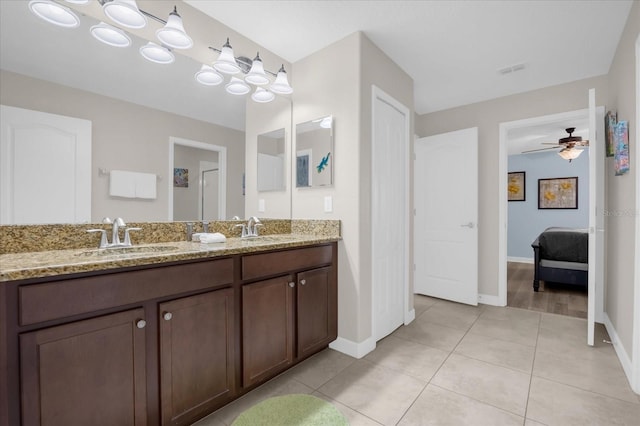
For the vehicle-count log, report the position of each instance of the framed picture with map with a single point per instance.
(558, 193)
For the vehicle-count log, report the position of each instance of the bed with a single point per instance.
(561, 255)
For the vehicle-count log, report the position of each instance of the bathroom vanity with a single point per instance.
(148, 337)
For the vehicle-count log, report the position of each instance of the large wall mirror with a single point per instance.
(271, 161)
(135, 107)
(314, 153)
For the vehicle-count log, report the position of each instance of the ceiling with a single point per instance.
(451, 49)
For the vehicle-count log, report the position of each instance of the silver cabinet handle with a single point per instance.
(141, 323)
(303, 282)
(292, 284)
(468, 225)
(167, 316)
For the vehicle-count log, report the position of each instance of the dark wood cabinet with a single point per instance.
(267, 328)
(316, 310)
(89, 372)
(197, 355)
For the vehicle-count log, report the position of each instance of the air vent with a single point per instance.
(510, 69)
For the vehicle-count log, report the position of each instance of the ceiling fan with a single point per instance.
(567, 143)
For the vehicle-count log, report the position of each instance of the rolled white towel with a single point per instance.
(212, 238)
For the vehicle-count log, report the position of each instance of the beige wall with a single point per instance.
(185, 200)
(487, 116)
(130, 137)
(621, 190)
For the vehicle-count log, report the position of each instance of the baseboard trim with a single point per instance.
(409, 317)
(487, 299)
(627, 366)
(520, 259)
(353, 349)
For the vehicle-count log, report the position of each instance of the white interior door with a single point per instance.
(45, 168)
(389, 213)
(446, 216)
(596, 220)
(208, 200)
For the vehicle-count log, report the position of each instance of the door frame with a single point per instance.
(222, 179)
(503, 161)
(635, 375)
(409, 312)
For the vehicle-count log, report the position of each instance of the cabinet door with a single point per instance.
(317, 304)
(267, 328)
(90, 372)
(197, 365)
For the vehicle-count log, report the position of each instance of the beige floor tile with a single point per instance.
(422, 303)
(498, 386)
(281, 385)
(524, 332)
(598, 372)
(413, 359)
(554, 403)
(320, 368)
(529, 422)
(379, 393)
(353, 417)
(450, 314)
(497, 351)
(510, 314)
(440, 407)
(434, 335)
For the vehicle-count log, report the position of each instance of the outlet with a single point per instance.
(261, 205)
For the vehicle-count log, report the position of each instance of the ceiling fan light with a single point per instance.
(281, 85)
(257, 75)
(54, 13)
(262, 96)
(208, 76)
(570, 153)
(156, 53)
(77, 1)
(226, 62)
(125, 13)
(110, 35)
(173, 33)
(237, 87)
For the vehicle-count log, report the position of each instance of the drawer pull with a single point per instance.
(141, 323)
(292, 284)
(303, 282)
(167, 316)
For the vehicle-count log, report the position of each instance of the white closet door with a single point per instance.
(45, 164)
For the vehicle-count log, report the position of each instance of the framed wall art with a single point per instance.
(558, 193)
(516, 186)
(180, 178)
(621, 148)
(610, 121)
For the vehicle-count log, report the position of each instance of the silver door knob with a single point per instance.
(292, 284)
(303, 282)
(468, 225)
(167, 316)
(141, 323)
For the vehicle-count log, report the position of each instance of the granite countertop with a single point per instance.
(18, 266)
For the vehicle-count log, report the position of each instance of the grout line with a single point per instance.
(533, 363)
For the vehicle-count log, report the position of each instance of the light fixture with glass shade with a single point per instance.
(570, 153)
(281, 85)
(209, 76)
(256, 74)
(54, 13)
(226, 62)
(326, 122)
(110, 35)
(77, 1)
(173, 33)
(156, 53)
(262, 95)
(237, 86)
(125, 13)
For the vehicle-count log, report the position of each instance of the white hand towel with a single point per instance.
(122, 184)
(212, 238)
(145, 185)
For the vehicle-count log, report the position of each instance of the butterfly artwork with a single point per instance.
(323, 163)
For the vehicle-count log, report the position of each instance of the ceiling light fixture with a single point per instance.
(110, 35)
(226, 62)
(77, 1)
(208, 76)
(125, 13)
(257, 75)
(570, 153)
(157, 54)
(54, 13)
(262, 95)
(281, 85)
(237, 86)
(173, 33)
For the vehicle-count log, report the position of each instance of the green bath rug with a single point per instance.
(292, 410)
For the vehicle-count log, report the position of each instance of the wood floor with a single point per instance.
(552, 298)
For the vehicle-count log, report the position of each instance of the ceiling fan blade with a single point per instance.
(540, 149)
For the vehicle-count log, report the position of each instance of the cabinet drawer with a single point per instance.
(267, 264)
(48, 301)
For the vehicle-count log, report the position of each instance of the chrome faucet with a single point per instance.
(115, 231)
(115, 234)
(252, 226)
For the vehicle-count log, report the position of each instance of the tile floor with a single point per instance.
(465, 365)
